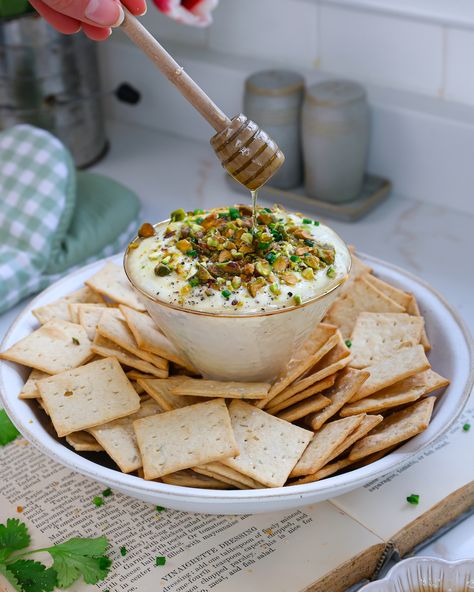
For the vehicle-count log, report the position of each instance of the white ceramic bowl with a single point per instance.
(426, 574)
(451, 356)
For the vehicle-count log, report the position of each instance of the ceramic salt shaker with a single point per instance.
(335, 133)
(273, 99)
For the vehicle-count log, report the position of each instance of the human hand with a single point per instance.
(95, 17)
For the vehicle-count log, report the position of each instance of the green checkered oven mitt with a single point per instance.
(53, 219)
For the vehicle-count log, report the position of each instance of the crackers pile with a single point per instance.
(111, 382)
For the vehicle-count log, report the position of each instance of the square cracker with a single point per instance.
(320, 386)
(112, 282)
(322, 340)
(358, 269)
(83, 442)
(324, 442)
(269, 447)
(401, 297)
(347, 383)
(30, 388)
(105, 348)
(232, 483)
(382, 400)
(189, 478)
(399, 365)
(118, 437)
(303, 408)
(89, 317)
(395, 428)
(413, 309)
(151, 339)
(88, 396)
(377, 335)
(55, 347)
(75, 307)
(160, 391)
(185, 438)
(428, 380)
(196, 387)
(367, 424)
(363, 297)
(59, 308)
(336, 359)
(117, 331)
(221, 471)
(326, 471)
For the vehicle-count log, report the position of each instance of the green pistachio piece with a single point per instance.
(274, 289)
(263, 268)
(308, 273)
(312, 261)
(236, 282)
(162, 270)
(203, 274)
(178, 215)
(247, 238)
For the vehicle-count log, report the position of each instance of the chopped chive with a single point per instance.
(123, 551)
(193, 282)
(308, 242)
(191, 253)
(414, 499)
(271, 258)
(160, 509)
(196, 212)
(222, 215)
(234, 213)
(76, 341)
(160, 560)
(331, 272)
(98, 501)
(263, 246)
(226, 294)
(307, 221)
(297, 299)
(316, 223)
(107, 492)
(295, 258)
(199, 220)
(267, 210)
(348, 343)
(466, 427)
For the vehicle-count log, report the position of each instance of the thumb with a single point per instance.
(102, 13)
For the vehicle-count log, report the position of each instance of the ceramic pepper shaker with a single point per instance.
(335, 134)
(273, 99)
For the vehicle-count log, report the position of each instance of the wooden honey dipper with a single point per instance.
(245, 151)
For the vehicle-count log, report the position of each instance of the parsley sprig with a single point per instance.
(72, 559)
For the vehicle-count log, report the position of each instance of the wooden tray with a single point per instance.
(374, 191)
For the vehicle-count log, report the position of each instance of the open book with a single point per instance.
(328, 546)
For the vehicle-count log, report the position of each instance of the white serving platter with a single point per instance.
(451, 355)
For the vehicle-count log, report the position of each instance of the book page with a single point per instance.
(284, 552)
(436, 472)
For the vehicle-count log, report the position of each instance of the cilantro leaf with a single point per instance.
(33, 576)
(13, 536)
(8, 431)
(8, 575)
(80, 557)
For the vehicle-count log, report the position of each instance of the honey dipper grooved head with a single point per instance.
(247, 152)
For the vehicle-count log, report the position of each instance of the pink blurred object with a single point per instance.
(188, 12)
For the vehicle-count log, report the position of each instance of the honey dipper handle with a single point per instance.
(174, 72)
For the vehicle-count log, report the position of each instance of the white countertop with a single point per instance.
(433, 242)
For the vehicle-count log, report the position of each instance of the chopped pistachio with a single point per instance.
(212, 242)
(308, 273)
(247, 238)
(297, 299)
(289, 278)
(263, 268)
(281, 263)
(178, 215)
(331, 272)
(162, 270)
(184, 245)
(274, 289)
(146, 230)
(255, 286)
(236, 282)
(312, 261)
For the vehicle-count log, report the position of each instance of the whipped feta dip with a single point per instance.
(222, 261)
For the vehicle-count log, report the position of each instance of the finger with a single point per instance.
(101, 13)
(96, 33)
(63, 24)
(136, 7)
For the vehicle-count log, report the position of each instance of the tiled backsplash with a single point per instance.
(418, 73)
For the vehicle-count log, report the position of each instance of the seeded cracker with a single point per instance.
(59, 308)
(89, 318)
(75, 307)
(269, 447)
(347, 383)
(54, 347)
(30, 389)
(324, 442)
(184, 438)
(320, 386)
(88, 396)
(367, 424)
(214, 388)
(377, 335)
(358, 268)
(112, 282)
(151, 339)
(305, 407)
(382, 400)
(428, 380)
(363, 297)
(188, 478)
(104, 347)
(323, 339)
(400, 365)
(118, 437)
(395, 428)
(399, 296)
(413, 309)
(160, 390)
